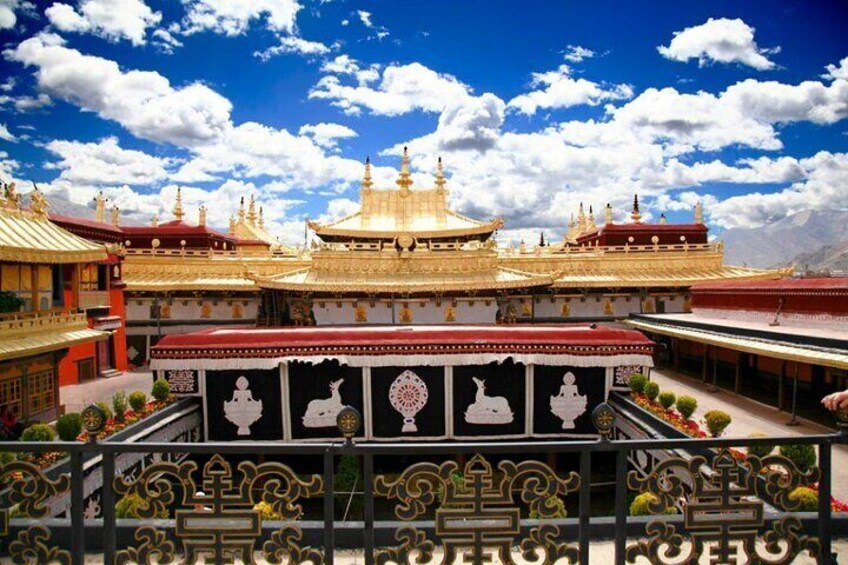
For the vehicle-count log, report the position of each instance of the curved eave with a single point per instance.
(426, 284)
(664, 280)
(483, 229)
(28, 238)
(171, 284)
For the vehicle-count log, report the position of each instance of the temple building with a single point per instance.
(42, 277)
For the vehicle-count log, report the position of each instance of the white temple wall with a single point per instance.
(139, 309)
(426, 311)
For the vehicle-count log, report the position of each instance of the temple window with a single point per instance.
(10, 395)
(41, 391)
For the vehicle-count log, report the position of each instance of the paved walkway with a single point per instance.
(751, 417)
(77, 397)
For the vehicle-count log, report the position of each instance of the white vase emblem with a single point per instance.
(243, 410)
(408, 395)
(322, 412)
(488, 409)
(569, 404)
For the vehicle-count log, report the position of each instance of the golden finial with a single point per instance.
(178, 206)
(440, 177)
(261, 218)
(201, 216)
(232, 225)
(251, 211)
(38, 203)
(699, 212)
(581, 219)
(155, 221)
(100, 207)
(663, 219)
(572, 229)
(13, 199)
(405, 179)
(590, 222)
(635, 215)
(367, 183)
(608, 214)
(116, 216)
(241, 211)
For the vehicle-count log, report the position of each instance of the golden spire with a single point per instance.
(261, 218)
(608, 214)
(440, 177)
(699, 212)
(405, 179)
(663, 219)
(241, 211)
(38, 203)
(251, 211)
(635, 215)
(100, 207)
(590, 222)
(178, 206)
(367, 183)
(13, 199)
(155, 221)
(116, 216)
(232, 225)
(581, 220)
(572, 229)
(201, 216)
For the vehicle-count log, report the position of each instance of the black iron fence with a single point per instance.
(278, 502)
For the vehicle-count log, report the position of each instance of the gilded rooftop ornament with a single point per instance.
(635, 215)
(38, 202)
(405, 179)
(178, 206)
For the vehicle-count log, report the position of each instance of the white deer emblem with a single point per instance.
(488, 409)
(322, 412)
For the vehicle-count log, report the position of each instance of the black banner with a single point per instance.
(488, 400)
(408, 402)
(182, 381)
(244, 405)
(317, 393)
(564, 397)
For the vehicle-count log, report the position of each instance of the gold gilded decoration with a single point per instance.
(38, 202)
(206, 310)
(31, 547)
(237, 311)
(526, 308)
(93, 419)
(565, 309)
(165, 310)
(609, 308)
(32, 333)
(478, 514)
(724, 510)
(220, 521)
(450, 314)
(152, 546)
(360, 314)
(648, 306)
(406, 314)
(687, 304)
(302, 314)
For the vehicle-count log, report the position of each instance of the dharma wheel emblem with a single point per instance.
(349, 421)
(408, 395)
(603, 416)
(93, 420)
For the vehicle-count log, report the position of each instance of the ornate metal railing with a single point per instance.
(478, 500)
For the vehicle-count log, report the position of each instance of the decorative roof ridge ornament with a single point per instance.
(590, 221)
(241, 211)
(201, 215)
(440, 178)
(155, 221)
(635, 215)
(13, 199)
(116, 216)
(232, 225)
(699, 212)
(251, 211)
(262, 217)
(178, 206)
(608, 214)
(38, 202)
(663, 219)
(404, 181)
(581, 220)
(367, 183)
(100, 207)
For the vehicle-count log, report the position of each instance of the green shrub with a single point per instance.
(652, 390)
(667, 399)
(38, 432)
(760, 450)
(716, 421)
(637, 382)
(7, 457)
(132, 505)
(161, 390)
(69, 426)
(808, 500)
(555, 503)
(804, 456)
(138, 400)
(105, 407)
(266, 511)
(10, 302)
(119, 404)
(641, 505)
(686, 405)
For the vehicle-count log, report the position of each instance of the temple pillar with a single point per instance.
(705, 365)
(781, 387)
(740, 358)
(675, 350)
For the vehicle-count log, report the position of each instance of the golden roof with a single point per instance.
(775, 348)
(27, 334)
(419, 213)
(30, 237)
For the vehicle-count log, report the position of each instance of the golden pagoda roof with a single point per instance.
(311, 280)
(663, 278)
(30, 237)
(26, 334)
(419, 213)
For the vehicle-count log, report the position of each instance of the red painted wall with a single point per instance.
(68, 371)
(118, 308)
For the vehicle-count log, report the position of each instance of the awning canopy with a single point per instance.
(778, 346)
(32, 335)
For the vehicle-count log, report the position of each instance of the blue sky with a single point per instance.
(534, 106)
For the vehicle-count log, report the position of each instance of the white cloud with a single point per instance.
(144, 102)
(561, 90)
(6, 135)
(402, 89)
(576, 53)
(837, 72)
(234, 17)
(105, 162)
(111, 19)
(8, 84)
(365, 18)
(327, 135)
(345, 65)
(378, 32)
(8, 17)
(292, 44)
(165, 41)
(719, 40)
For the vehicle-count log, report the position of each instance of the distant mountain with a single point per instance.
(833, 258)
(782, 242)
